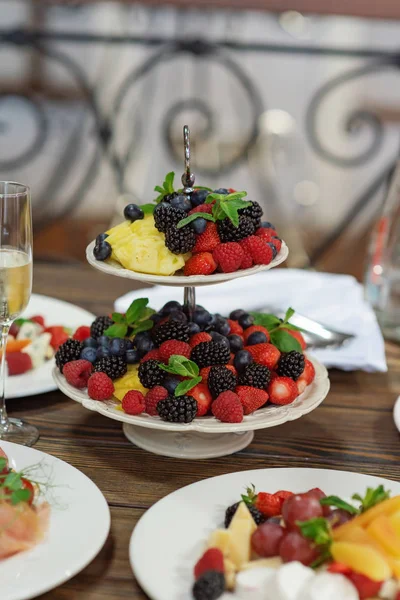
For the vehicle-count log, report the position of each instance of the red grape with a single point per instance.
(300, 507)
(266, 539)
(338, 517)
(319, 494)
(295, 547)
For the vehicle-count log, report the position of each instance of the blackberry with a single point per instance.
(150, 373)
(171, 330)
(166, 216)
(291, 365)
(255, 513)
(229, 233)
(113, 366)
(255, 375)
(209, 586)
(253, 212)
(221, 379)
(180, 241)
(99, 325)
(177, 409)
(207, 354)
(69, 350)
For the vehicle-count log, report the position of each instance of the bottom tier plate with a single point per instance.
(205, 437)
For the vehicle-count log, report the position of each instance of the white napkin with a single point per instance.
(337, 301)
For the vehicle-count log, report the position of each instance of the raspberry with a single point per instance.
(205, 208)
(77, 372)
(200, 264)
(197, 338)
(264, 233)
(228, 256)
(251, 398)
(82, 333)
(236, 329)
(207, 241)
(282, 390)
(212, 560)
(171, 347)
(202, 395)
(247, 261)
(264, 354)
(133, 403)
(260, 252)
(153, 397)
(100, 386)
(18, 363)
(228, 408)
(252, 329)
(151, 354)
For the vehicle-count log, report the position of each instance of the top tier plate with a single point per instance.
(111, 267)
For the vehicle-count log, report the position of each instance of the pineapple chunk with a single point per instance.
(395, 522)
(230, 574)
(221, 539)
(382, 531)
(240, 546)
(387, 507)
(243, 513)
(363, 559)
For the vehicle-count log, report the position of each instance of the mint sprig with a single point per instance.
(277, 329)
(371, 498)
(319, 532)
(225, 206)
(338, 503)
(135, 318)
(194, 216)
(180, 365)
(166, 188)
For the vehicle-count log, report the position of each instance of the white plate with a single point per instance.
(55, 312)
(79, 526)
(396, 413)
(112, 267)
(170, 537)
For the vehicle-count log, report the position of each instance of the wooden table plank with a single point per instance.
(352, 430)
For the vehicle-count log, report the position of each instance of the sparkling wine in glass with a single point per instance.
(15, 289)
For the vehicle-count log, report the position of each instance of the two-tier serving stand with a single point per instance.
(205, 437)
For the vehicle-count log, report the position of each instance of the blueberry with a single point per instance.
(246, 320)
(103, 340)
(169, 307)
(274, 250)
(90, 343)
(193, 328)
(235, 342)
(199, 225)
(156, 318)
(103, 352)
(133, 212)
(211, 324)
(102, 251)
(181, 201)
(267, 225)
(144, 345)
(202, 317)
(221, 191)
(128, 344)
(132, 356)
(101, 237)
(89, 354)
(143, 335)
(258, 337)
(222, 326)
(178, 315)
(242, 359)
(118, 347)
(221, 339)
(170, 384)
(199, 197)
(236, 314)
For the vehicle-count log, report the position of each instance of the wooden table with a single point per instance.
(352, 430)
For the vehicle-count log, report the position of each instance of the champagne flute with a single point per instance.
(15, 289)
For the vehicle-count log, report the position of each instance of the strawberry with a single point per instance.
(247, 261)
(282, 390)
(133, 403)
(207, 241)
(235, 328)
(204, 372)
(200, 264)
(337, 567)
(197, 338)
(202, 395)
(309, 372)
(366, 587)
(58, 336)
(301, 385)
(18, 363)
(252, 329)
(153, 397)
(204, 208)
(297, 336)
(228, 408)
(82, 333)
(268, 504)
(265, 354)
(39, 320)
(228, 256)
(212, 560)
(100, 386)
(171, 347)
(251, 398)
(77, 372)
(151, 354)
(282, 495)
(260, 252)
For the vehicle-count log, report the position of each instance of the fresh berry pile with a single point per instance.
(166, 365)
(214, 230)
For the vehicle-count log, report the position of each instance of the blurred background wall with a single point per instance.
(300, 110)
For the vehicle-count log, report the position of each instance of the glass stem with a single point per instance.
(5, 328)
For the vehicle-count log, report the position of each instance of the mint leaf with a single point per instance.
(180, 365)
(338, 503)
(289, 314)
(317, 530)
(20, 496)
(292, 327)
(169, 183)
(135, 310)
(194, 216)
(230, 212)
(268, 321)
(159, 189)
(284, 341)
(214, 197)
(142, 326)
(148, 209)
(202, 187)
(117, 330)
(372, 497)
(13, 482)
(185, 386)
(237, 203)
(3, 463)
(118, 318)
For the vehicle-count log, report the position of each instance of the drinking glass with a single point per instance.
(15, 289)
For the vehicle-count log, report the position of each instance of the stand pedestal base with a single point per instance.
(192, 446)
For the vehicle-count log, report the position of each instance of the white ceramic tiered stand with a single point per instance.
(205, 437)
